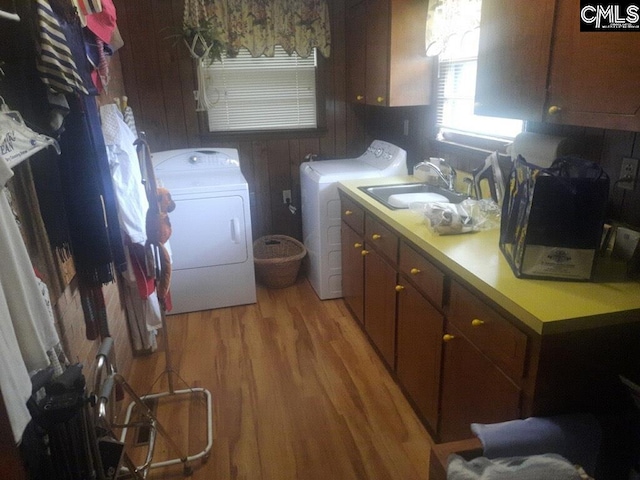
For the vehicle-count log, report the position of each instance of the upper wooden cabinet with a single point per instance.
(515, 41)
(535, 64)
(594, 75)
(385, 45)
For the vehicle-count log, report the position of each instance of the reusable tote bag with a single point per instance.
(552, 218)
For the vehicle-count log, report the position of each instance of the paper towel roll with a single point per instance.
(538, 148)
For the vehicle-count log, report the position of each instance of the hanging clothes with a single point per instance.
(56, 63)
(27, 332)
(102, 40)
(141, 303)
(17, 141)
(88, 195)
(86, 8)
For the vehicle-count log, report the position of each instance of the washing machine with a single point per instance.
(321, 208)
(211, 242)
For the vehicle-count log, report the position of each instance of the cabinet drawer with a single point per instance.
(428, 279)
(376, 234)
(489, 331)
(352, 214)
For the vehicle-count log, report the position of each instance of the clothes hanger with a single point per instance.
(17, 141)
(9, 16)
(6, 14)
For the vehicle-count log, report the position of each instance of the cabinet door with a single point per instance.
(473, 389)
(377, 64)
(513, 60)
(353, 272)
(419, 348)
(356, 50)
(380, 304)
(386, 62)
(594, 75)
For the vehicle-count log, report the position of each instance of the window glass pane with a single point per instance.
(265, 93)
(457, 64)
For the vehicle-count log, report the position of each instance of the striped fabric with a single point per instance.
(87, 7)
(130, 120)
(103, 65)
(55, 64)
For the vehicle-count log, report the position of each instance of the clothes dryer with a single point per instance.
(321, 208)
(211, 242)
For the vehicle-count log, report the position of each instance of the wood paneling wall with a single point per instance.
(608, 148)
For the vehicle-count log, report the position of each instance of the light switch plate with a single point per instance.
(625, 243)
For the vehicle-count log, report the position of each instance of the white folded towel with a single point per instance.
(535, 467)
(574, 436)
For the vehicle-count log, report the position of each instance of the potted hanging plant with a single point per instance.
(202, 40)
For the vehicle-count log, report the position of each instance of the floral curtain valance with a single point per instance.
(260, 25)
(448, 22)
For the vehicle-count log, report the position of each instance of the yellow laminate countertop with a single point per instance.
(545, 306)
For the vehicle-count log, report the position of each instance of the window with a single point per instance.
(265, 93)
(457, 50)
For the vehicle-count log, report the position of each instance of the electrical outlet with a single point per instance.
(286, 197)
(626, 243)
(628, 173)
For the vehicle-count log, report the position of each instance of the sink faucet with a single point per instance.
(449, 180)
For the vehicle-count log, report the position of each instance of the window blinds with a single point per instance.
(264, 93)
(455, 103)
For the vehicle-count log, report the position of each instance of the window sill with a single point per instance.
(467, 152)
(472, 142)
(251, 135)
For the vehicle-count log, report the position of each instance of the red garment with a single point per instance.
(103, 24)
(138, 257)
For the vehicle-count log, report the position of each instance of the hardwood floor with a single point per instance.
(298, 393)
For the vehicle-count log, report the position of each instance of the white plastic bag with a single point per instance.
(455, 218)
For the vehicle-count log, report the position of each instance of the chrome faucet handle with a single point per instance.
(448, 180)
(452, 177)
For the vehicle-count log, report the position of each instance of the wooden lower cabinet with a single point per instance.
(353, 271)
(419, 349)
(461, 358)
(473, 389)
(398, 295)
(380, 304)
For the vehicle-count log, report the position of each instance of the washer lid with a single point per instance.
(329, 171)
(336, 167)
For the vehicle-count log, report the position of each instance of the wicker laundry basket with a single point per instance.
(277, 259)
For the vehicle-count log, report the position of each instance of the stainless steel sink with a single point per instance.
(390, 195)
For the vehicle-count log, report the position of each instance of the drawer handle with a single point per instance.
(376, 236)
(414, 271)
(380, 99)
(447, 337)
(348, 212)
(364, 252)
(476, 322)
(399, 288)
(357, 245)
(359, 97)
